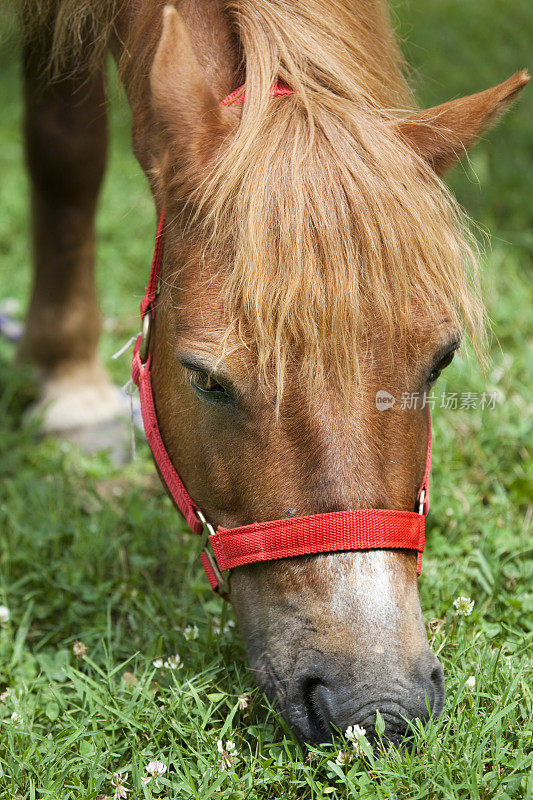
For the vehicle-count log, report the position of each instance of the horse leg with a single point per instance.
(66, 143)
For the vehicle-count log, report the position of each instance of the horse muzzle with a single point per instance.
(333, 638)
(326, 698)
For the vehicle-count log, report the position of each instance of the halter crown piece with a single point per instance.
(226, 548)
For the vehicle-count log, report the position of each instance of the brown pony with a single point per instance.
(312, 258)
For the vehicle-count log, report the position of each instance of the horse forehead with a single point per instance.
(197, 297)
(198, 303)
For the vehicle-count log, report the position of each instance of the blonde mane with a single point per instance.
(334, 224)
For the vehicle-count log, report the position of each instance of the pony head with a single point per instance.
(314, 263)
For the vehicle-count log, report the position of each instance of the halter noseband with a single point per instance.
(226, 548)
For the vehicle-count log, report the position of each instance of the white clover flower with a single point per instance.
(79, 649)
(174, 662)
(343, 757)
(16, 718)
(243, 701)
(119, 782)
(5, 614)
(312, 756)
(228, 754)
(470, 683)
(191, 632)
(156, 770)
(463, 606)
(215, 624)
(356, 735)
(354, 732)
(158, 663)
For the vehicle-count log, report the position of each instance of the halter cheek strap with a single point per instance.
(227, 548)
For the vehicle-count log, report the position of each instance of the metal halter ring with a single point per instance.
(421, 501)
(145, 335)
(222, 578)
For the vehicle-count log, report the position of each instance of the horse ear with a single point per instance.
(441, 135)
(183, 102)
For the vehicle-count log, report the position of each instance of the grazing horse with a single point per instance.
(313, 259)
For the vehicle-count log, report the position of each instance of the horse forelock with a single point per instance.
(334, 226)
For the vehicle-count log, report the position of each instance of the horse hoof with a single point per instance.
(85, 408)
(114, 437)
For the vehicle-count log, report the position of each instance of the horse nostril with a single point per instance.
(431, 690)
(318, 722)
(437, 681)
(437, 674)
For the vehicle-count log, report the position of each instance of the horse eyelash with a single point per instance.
(193, 375)
(190, 374)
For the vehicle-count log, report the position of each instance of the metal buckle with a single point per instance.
(421, 501)
(222, 578)
(145, 335)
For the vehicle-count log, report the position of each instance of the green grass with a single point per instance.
(95, 553)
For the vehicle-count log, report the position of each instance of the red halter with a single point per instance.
(226, 548)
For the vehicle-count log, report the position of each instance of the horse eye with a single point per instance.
(442, 364)
(204, 383)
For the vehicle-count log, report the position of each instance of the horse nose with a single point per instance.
(330, 699)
